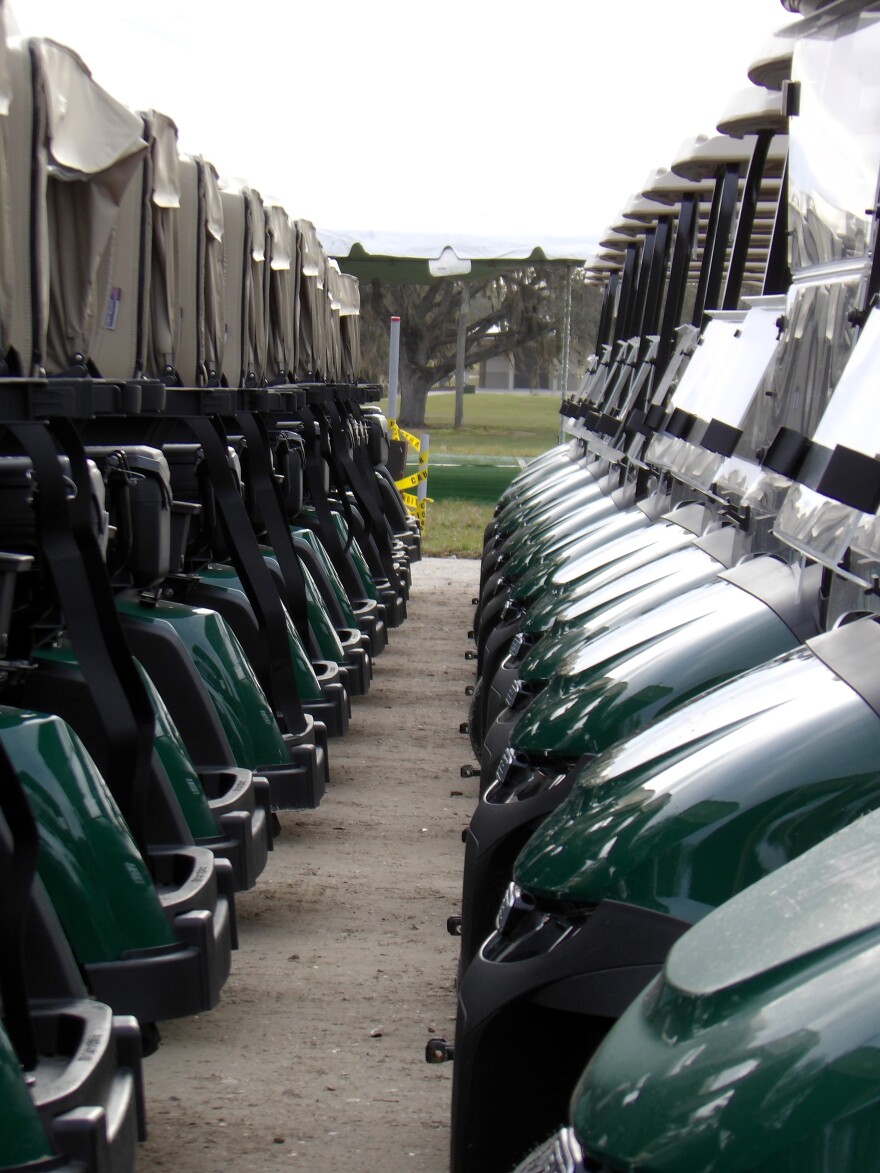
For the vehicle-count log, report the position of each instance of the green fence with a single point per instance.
(469, 478)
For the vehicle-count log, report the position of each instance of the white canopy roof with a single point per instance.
(450, 254)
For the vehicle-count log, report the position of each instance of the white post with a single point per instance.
(460, 354)
(393, 363)
(424, 444)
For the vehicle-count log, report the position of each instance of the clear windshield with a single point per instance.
(687, 337)
(835, 142)
(636, 389)
(720, 383)
(813, 523)
(815, 345)
(851, 417)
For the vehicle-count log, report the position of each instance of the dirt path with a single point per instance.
(314, 1058)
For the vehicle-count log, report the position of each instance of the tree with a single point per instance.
(519, 309)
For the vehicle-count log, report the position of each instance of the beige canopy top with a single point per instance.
(311, 253)
(5, 76)
(310, 301)
(349, 326)
(202, 275)
(705, 155)
(282, 294)
(89, 132)
(332, 359)
(166, 160)
(772, 65)
(76, 151)
(246, 291)
(428, 256)
(138, 333)
(94, 148)
(752, 111)
(163, 331)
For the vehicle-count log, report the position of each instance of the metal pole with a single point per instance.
(566, 332)
(393, 364)
(460, 354)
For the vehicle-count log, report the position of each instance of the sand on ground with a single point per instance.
(314, 1058)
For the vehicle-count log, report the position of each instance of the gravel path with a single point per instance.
(314, 1058)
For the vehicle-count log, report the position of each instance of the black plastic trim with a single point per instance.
(853, 478)
(720, 437)
(680, 424)
(786, 452)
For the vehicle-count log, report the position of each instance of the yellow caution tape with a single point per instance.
(410, 482)
(397, 433)
(416, 507)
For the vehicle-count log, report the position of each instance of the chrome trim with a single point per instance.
(560, 1154)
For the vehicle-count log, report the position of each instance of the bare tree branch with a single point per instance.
(518, 313)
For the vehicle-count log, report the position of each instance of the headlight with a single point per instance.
(520, 646)
(517, 778)
(512, 612)
(522, 693)
(560, 1154)
(526, 927)
(513, 902)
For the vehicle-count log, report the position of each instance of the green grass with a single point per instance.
(455, 527)
(463, 495)
(495, 424)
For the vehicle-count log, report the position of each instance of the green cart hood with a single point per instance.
(759, 1046)
(94, 874)
(311, 539)
(538, 484)
(227, 675)
(596, 570)
(543, 472)
(23, 1140)
(226, 579)
(355, 552)
(616, 684)
(169, 748)
(320, 624)
(705, 802)
(178, 766)
(555, 502)
(664, 533)
(358, 558)
(555, 528)
(716, 551)
(619, 601)
(533, 566)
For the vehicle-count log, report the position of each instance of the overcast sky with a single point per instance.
(479, 116)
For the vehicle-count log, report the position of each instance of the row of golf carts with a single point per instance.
(670, 926)
(201, 553)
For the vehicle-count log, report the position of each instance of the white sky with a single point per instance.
(478, 116)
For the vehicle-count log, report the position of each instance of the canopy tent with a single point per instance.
(425, 257)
